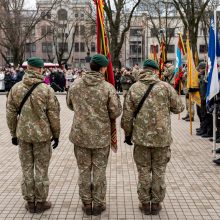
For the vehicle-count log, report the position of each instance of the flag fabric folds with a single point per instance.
(179, 52)
(213, 50)
(103, 48)
(192, 76)
(162, 54)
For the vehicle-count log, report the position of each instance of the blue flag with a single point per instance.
(178, 60)
(213, 50)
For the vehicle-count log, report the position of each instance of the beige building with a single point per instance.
(66, 35)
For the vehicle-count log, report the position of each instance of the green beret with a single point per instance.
(36, 62)
(150, 63)
(100, 59)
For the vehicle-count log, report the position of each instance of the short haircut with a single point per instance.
(95, 67)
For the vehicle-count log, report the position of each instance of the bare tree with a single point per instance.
(162, 18)
(119, 22)
(16, 26)
(191, 13)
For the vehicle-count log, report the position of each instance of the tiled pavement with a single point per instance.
(193, 181)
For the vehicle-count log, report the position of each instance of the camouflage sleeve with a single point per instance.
(114, 104)
(53, 114)
(127, 116)
(176, 104)
(68, 99)
(11, 114)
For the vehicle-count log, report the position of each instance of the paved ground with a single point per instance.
(193, 189)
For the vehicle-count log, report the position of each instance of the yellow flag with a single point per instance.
(192, 75)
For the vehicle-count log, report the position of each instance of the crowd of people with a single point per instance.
(59, 79)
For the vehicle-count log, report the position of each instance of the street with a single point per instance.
(193, 180)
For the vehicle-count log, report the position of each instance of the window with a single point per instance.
(93, 29)
(170, 32)
(82, 29)
(136, 32)
(63, 47)
(170, 48)
(76, 47)
(135, 47)
(93, 47)
(82, 47)
(30, 47)
(154, 32)
(46, 30)
(47, 47)
(62, 15)
(82, 16)
(202, 49)
(76, 15)
(154, 48)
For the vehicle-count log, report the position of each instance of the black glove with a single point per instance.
(56, 142)
(128, 140)
(193, 89)
(14, 141)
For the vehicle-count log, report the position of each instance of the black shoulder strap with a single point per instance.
(143, 99)
(27, 95)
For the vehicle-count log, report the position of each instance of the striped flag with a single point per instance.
(103, 48)
(179, 52)
(213, 50)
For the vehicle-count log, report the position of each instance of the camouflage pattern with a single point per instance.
(92, 165)
(135, 73)
(127, 81)
(35, 157)
(152, 127)
(94, 102)
(168, 74)
(39, 119)
(151, 165)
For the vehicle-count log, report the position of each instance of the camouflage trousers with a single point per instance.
(151, 165)
(35, 158)
(92, 165)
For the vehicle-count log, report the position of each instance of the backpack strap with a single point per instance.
(143, 99)
(27, 95)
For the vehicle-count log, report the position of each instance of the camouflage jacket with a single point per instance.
(94, 102)
(40, 116)
(152, 126)
(135, 73)
(168, 75)
(127, 81)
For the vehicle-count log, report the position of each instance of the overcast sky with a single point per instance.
(30, 4)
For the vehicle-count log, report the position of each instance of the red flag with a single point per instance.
(103, 48)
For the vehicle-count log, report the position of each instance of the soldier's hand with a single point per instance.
(56, 142)
(128, 140)
(14, 141)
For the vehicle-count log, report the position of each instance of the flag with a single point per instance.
(103, 48)
(179, 52)
(162, 54)
(192, 76)
(213, 50)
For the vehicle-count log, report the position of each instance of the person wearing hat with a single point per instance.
(206, 126)
(32, 126)
(149, 127)
(95, 103)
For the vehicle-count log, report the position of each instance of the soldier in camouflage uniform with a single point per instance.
(168, 73)
(33, 129)
(151, 134)
(95, 103)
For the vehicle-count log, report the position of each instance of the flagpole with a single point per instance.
(214, 111)
(179, 95)
(190, 111)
